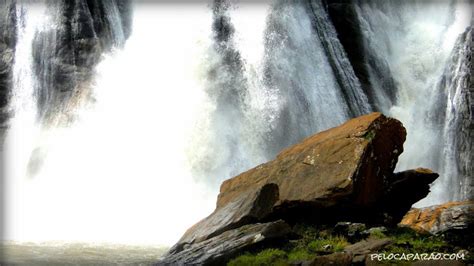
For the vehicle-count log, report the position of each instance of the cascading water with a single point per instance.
(416, 39)
(121, 162)
(122, 132)
(457, 153)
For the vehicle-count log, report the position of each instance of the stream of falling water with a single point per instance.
(119, 173)
(417, 39)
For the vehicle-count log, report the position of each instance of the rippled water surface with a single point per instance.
(53, 253)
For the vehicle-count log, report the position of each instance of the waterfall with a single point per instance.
(110, 174)
(415, 41)
(305, 66)
(458, 150)
(126, 117)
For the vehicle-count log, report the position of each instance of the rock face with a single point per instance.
(344, 173)
(443, 218)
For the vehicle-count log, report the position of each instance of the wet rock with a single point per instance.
(220, 248)
(451, 216)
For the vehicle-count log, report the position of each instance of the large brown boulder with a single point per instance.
(344, 173)
(349, 161)
(451, 216)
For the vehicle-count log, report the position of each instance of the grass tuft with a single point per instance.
(265, 257)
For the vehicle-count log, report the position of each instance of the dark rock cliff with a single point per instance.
(372, 70)
(465, 122)
(456, 96)
(65, 56)
(7, 50)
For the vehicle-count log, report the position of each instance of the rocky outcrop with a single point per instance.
(223, 246)
(451, 216)
(346, 165)
(344, 173)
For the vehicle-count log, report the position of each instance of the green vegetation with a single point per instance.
(330, 244)
(369, 135)
(266, 257)
(408, 241)
(377, 233)
(314, 241)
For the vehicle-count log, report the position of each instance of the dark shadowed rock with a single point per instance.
(227, 244)
(451, 216)
(405, 189)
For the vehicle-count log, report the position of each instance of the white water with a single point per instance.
(428, 46)
(119, 174)
(143, 162)
(416, 39)
(302, 74)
